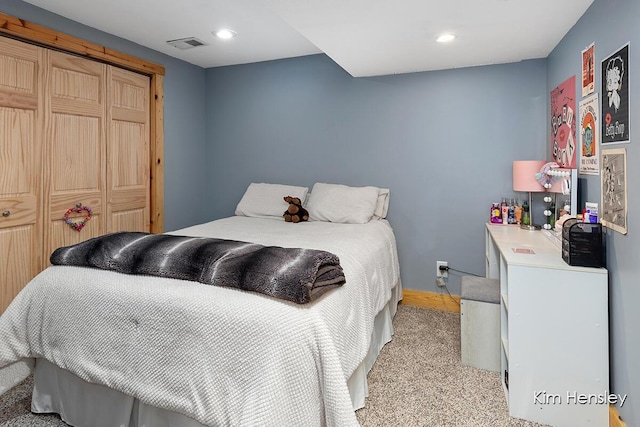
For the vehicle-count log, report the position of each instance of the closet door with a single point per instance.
(20, 155)
(75, 149)
(128, 152)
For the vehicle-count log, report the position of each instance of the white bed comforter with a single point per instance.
(222, 356)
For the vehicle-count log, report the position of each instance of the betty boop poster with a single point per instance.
(615, 97)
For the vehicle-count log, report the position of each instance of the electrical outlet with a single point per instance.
(442, 273)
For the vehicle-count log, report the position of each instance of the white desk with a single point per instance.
(554, 330)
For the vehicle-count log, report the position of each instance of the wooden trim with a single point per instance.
(157, 153)
(34, 33)
(431, 300)
(614, 418)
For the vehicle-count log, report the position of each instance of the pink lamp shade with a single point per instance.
(524, 175)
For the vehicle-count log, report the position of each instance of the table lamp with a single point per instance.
(524, 180)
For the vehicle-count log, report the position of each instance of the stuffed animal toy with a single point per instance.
(295, 212)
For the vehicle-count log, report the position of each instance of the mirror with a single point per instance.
(566, 195)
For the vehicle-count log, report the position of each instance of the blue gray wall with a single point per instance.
(443, 142)
(184, 114)
(611, 24)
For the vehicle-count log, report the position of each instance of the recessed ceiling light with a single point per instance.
(444, 38)
(225, 34)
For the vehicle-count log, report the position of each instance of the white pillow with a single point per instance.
(340, 203)
(382, 205)
(267, 200)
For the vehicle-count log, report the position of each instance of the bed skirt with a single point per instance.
(59, 391)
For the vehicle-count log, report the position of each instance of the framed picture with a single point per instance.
(563, 123)
(588, 70)
(590, 135)
(616, 78)
(614, 189)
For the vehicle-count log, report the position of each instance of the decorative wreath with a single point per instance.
(79, 225)
(547, 176)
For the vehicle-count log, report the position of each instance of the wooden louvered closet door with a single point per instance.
(20, 155)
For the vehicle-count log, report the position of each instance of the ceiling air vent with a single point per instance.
(187, 43)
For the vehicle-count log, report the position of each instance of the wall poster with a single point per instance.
(614, 189)
(589, 135)
(588, 70)
(563, 123)
(615, 97)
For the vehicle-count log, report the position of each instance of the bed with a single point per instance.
(132, 350)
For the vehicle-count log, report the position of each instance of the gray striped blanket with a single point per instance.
(291, 274)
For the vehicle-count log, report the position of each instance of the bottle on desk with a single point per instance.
(504, 208)
(518, 213)
(512, 212)
(526, 218)
(496, 214)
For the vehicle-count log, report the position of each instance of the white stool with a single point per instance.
(480, 323)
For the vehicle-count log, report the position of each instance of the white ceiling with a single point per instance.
(365, 37)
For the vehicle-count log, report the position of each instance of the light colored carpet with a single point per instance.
(418, 380)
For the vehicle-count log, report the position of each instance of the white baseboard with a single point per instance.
(13, 374)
